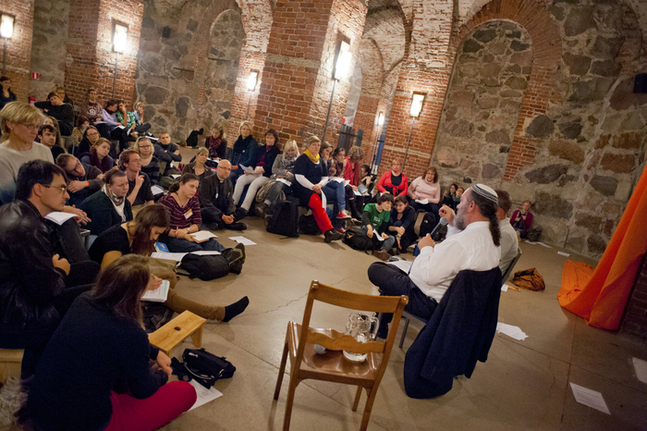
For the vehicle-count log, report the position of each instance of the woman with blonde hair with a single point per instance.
(283, 170)
(99, 156)
(240, 151)
(150, 162)
(198, 167)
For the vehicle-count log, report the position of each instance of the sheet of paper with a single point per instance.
(203, 235)
(378, 236)
(169, 256)
(346, 182)
(504, 288)
(157, 190)
(543, 245)
(204, 395)
(174, 176)
(357, 193)
(206, 252)
(242, 240)
(589, 398)
(511, 331)
(641, 369)
(362, 189)
(404, 265)
(530, 242)
(247, 169)
(59, 217)
(284, 181)
(338, 179)
(422, 201)
(213, 160)
(561, 253)
(158, 295)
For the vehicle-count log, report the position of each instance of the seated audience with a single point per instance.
(109, 206)
(139, 236)
(92, 109)
(125, 117)
(47, 137)
(167, 153)
(401, 224)
(451, 200)
(394, 181)
(112, 129)
(138, 114)
(36, 285)
(150, 162)
(63, 112)
(261, 159)
(99, 348)
(139, 185)
(475, 248)
(283, 170)
(335, 189)
(186, 218)
(199, 167)
(51, 121)
(215, 143)
(426, 188)
(6, 95)
(243, 143)
(83, 179)
(90, 137)
(521, 220)
(352, 175)
(62, 94)
(216, 196)
(509, 239)
(375, 221)
(311, 176)
(82, 124)
(20, 123)
(99, 156)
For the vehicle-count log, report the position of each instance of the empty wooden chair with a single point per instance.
(332, 366)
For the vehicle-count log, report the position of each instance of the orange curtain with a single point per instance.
(599, 295)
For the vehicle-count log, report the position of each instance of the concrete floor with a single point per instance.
(523, 385)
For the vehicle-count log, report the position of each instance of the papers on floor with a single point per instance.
(169, 256)
(589, 398)
(203, 235)
(59, 217)
(404, 265)
(543, 245)
(504, 288)
(158, 295)
(511, 331)
(422, 201)
(641, 369)
(204, 395)
(284, 181)
(157, 190)
(242, 240)
(561, 253)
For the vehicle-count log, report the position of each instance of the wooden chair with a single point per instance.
(332, 366)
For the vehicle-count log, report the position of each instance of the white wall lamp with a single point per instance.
(6, 31)
(119, 45)
(252, 80)
(380, 123)
(417, 103)
(342, 66)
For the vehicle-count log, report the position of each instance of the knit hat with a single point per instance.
(486, 192)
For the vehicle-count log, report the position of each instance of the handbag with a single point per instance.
(202, 366)
(529, 279)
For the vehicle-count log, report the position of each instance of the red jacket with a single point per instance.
(351, 172)
(385, 181)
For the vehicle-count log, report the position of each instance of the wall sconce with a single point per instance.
(6, 31)
(252, 79)
(342, 66)
(380, 119)
(119, 45)
(380, 123)
(416, 108)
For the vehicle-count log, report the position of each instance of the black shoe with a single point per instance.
(332, 235)
(237, 226)
(235, 309)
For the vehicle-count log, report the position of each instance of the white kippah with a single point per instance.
(486, 191)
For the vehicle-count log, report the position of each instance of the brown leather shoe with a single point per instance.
(381, 254)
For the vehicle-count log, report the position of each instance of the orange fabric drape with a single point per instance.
(600, 295)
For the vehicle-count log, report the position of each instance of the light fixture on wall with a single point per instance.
(119, 44)
(380, 123)
(6, 31)
(417, 102)
(342, 66)
(251, 86)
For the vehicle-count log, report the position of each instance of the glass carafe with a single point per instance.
(362, 327)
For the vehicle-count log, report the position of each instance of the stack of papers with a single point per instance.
(158, 295)
(511, 331)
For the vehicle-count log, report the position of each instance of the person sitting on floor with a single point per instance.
(92, 109)
(475, 248)
(216, 144)
(83, 179)
(199, 167)
(99, 156)
(311, 176)
(403, 219)
(426, 188)
(150, 162)
(335, 189)
(167, 153)
(63, 112)
(450, 198)
(110, 128)
(90, 137)
(216, 196)
(394, 181)
(283, 175)
(509, 239)
(36, 285)
(243, 143)
(47, 137)
(139, 236)
(109, 206)
(6, 95)
(139, 185)
(375, 221)
(100, 350)
(521, 220)
(82, 123)
(352, 172)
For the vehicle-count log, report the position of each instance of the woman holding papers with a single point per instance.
(139, 236)
(95, 373)
(184, 210)
(335, 189)
(424, 192)
(283, 174)
(352, 175)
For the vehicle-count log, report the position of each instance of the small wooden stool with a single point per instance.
(174, 332)
(10, 362)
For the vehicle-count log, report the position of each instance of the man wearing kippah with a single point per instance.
(472, 244)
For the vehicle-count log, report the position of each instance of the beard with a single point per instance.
(459, 222)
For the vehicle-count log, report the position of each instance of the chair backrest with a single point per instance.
(334, 340)
(508, 270)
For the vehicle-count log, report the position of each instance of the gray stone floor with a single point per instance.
(523, 385)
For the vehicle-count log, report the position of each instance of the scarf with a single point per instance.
(214, 143)
(313, 158)
(103, 164)
(117, 201)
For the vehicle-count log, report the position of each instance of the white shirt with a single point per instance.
(10, 162)
(509, 244)
(435, 267)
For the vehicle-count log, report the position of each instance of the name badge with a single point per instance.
(188, 214)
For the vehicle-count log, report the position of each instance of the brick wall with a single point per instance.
(635, 317)
(18, 57)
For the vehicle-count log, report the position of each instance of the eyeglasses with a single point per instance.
(62, 189)
(76, 166)
(92, 133)
(32, 127)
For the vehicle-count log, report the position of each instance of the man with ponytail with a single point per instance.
(472, 244)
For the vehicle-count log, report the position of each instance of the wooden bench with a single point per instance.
(10, 362)
(177, 330)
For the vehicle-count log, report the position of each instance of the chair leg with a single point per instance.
(288, 403)
(369, 407)
(358, 395)
(405, 327)
(281, 371)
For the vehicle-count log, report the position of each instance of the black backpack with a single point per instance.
(202, 366)
(285, 220)
(357, 239)
(308, 225)
(205, 268)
